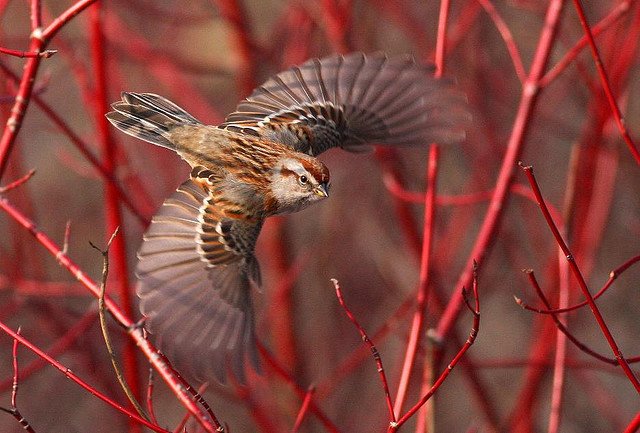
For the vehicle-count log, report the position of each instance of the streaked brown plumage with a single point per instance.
(197, 264)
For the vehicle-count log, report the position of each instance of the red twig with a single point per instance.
(13, 410)
(581, 282)
(509, 42)
(604, 79)
(58, 23)
(83, 147)
(634, 425)
(36, 14)
(359, 355)
(256, 409)
(60, 346)
(394, 426)
(613, 275)
(618, 11)
(183, 422)
(22, 54)
(68, 373)
(175, 383)
(301, 392)
(38, 42)
(303, 409)
(149, 398)
(18, 182)
(559, 364)
(16, 374)
(388, 161)
(534, 283)
(441, 39)
(372, 347)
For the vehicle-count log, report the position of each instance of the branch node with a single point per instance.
(37, 33)
(435, 338)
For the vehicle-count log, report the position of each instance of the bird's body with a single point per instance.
(197, 264)
(237, 164)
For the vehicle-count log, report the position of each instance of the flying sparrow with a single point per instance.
(196, 263)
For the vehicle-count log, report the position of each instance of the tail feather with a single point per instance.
(149, 117)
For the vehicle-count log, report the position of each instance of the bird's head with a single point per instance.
(298, 181)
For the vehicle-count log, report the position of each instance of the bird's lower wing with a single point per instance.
(194, 270)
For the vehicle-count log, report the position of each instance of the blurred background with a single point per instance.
(206, 56)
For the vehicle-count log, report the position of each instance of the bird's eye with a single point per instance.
(303, 180)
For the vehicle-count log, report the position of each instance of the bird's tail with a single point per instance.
(149, 117)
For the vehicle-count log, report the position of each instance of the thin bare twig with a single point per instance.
(105, 330)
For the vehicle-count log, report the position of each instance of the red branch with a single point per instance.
(604, 79)
(417, 325)
(571, 55)
(60, 346)
(372, 347)
(39, 40)
(613, 275)
(22, 54)
(303, 409)
(175, 383)
(491, 222)
(301, 392)
(583, 347)
(67, 372)
(506, 35)
(112, 205)
(14, 411)
(634, 425)
(581, 282)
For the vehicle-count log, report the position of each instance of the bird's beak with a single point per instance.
(322, 190)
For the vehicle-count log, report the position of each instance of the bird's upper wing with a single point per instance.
(195, 268)
(348, 101)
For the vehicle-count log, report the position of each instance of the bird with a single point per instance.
(196, 265)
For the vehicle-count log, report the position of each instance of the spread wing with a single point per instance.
(348, 101)
(195, 268)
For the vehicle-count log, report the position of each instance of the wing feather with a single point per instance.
(195, 270)
(348, 101)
